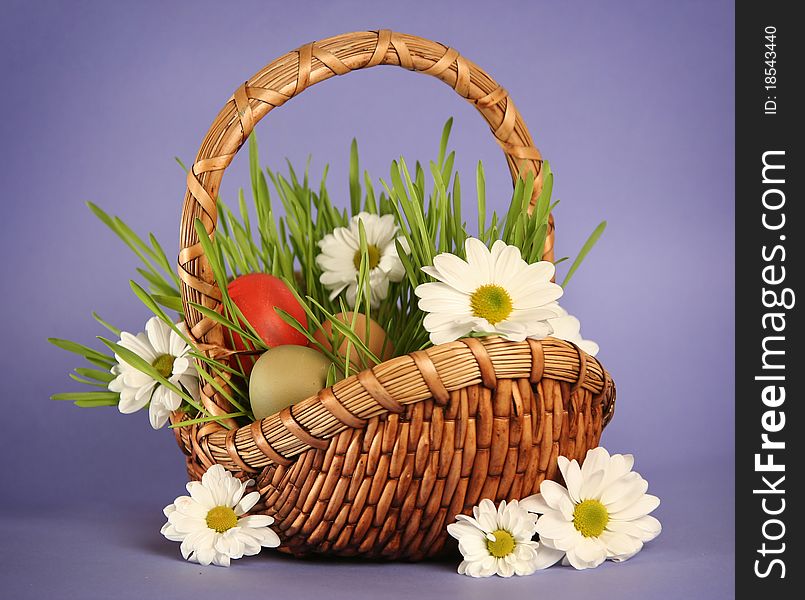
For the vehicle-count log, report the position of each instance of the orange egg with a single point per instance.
(375, 338)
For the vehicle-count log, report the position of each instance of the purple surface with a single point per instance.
(98, 553)
(630, 101)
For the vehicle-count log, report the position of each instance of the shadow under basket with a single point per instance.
(378, 464)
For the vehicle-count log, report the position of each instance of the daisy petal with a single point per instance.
(554, 526)
(339, 250)
(484, 554)
(620, 544)
(256, 521)
(547, 556)
(649, 526)
(248, 501)
(572, 475)
(554, 494)
(640, 508)
(623, 492)
(597, 459)
(535, 504)
(565, 543)
(590, 551)
(480, 258)
(449, 334)
(591, 486)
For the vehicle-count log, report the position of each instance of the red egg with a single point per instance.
(256, 295)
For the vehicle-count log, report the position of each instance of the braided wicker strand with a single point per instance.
(387, 488)
(377, 464)
(455, 365)
(288, 76)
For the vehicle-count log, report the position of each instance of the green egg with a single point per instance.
(285, 375)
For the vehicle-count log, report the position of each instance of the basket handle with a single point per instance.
(288, 76)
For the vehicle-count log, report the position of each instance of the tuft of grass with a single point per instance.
(426, 204)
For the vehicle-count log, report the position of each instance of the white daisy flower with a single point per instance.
(602, 514)
(167, 352)
(210, 522)
(494, 292)
(340, 257)
(567, 327)
(497, 541)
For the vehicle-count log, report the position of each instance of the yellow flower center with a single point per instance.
(374, 257)
(503, 545)
(590, 518)
(164, 365)
(221, 518)
(491, 302)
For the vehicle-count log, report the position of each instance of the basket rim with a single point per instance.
(387, 388)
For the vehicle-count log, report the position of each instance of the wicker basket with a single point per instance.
(378, 464)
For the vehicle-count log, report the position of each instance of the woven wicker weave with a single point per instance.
(378, 464)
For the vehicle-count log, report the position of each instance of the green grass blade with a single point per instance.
(95, 403)
(85, 381)
(448, 126)
(210, 419)
(480, 187)
(585, 249)
(111, 328)
(170, 302)
(96, 374)
(73, 396)
(82, 350)
(354, 178)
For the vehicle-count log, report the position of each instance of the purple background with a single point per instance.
(632, 102)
